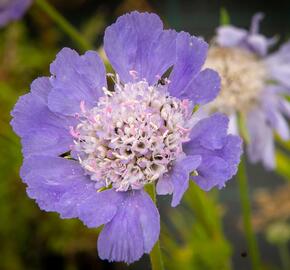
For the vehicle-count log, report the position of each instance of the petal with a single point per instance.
(261, 146)
(60, 185)
(39, 127)
(220, 152)
(180, 176)
(230, 36)
(13, 10)
(278, 65)
(219, 166)
(258, 44)
(211, 172)
(203, 88)
(132, 232)
(190, 56)
(284, 106)
(256, 20)
(233, 125)
(210, 132)
(271, 106)
(51, 141)
(76, 79)
(137, 43)
(164, 186)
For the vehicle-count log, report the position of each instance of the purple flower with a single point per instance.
(11, 10)
(89, 150)
(253, 85)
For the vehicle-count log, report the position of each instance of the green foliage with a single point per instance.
(201, 243)
(224, 17)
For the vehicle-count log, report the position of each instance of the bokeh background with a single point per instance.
(205, 231)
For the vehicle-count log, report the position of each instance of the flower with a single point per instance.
(90, 149)
(253, 85)
(11, 10)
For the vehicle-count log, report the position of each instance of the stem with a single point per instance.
(155, 254)
(246, 209)
(83, 44)
(284, 255)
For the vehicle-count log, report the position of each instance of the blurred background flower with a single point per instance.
(206, 235)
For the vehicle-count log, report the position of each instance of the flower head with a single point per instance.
(253, 85)
(11, 10)
(90, 149)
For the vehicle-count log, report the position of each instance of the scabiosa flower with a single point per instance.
(253, 85)
(90, 149)
(11, 10)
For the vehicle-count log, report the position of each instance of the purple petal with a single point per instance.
(256, 20)
(230, 36)
(210, 132)
(100, 208)
(278, 65)
(40, 128)
(179, 176)
(284, 106)
(261, 146)
(258, 44)
(190, 56)
(51, 141)
(164, 186)
(60, 185)
(203, 88)
(137, 42)
(220, 152)
(132, 232)
(76, 79)
(218, 166)
(271, 105)
(13, 10)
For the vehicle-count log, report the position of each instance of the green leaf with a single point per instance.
(224, 17)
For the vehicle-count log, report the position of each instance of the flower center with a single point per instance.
(133, 135)
(243, 78)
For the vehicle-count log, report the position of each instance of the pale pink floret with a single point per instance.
(133, 135)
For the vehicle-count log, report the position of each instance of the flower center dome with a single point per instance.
(243, 78)
(133, 135)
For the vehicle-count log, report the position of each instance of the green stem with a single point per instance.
(284, 255)
(246, 209)
(83, 44)
(155, 254)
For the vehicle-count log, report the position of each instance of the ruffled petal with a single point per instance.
(76, 79)
(40, 128)
(230, 36)
(133, 231)
(203, 88)
(60, 185)
(190, 56)
(278, 65)
(220, 152)
(180, 174)
(261, 146)
(137, 46)
(210, 132)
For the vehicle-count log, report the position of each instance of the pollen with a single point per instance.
(243, 78)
